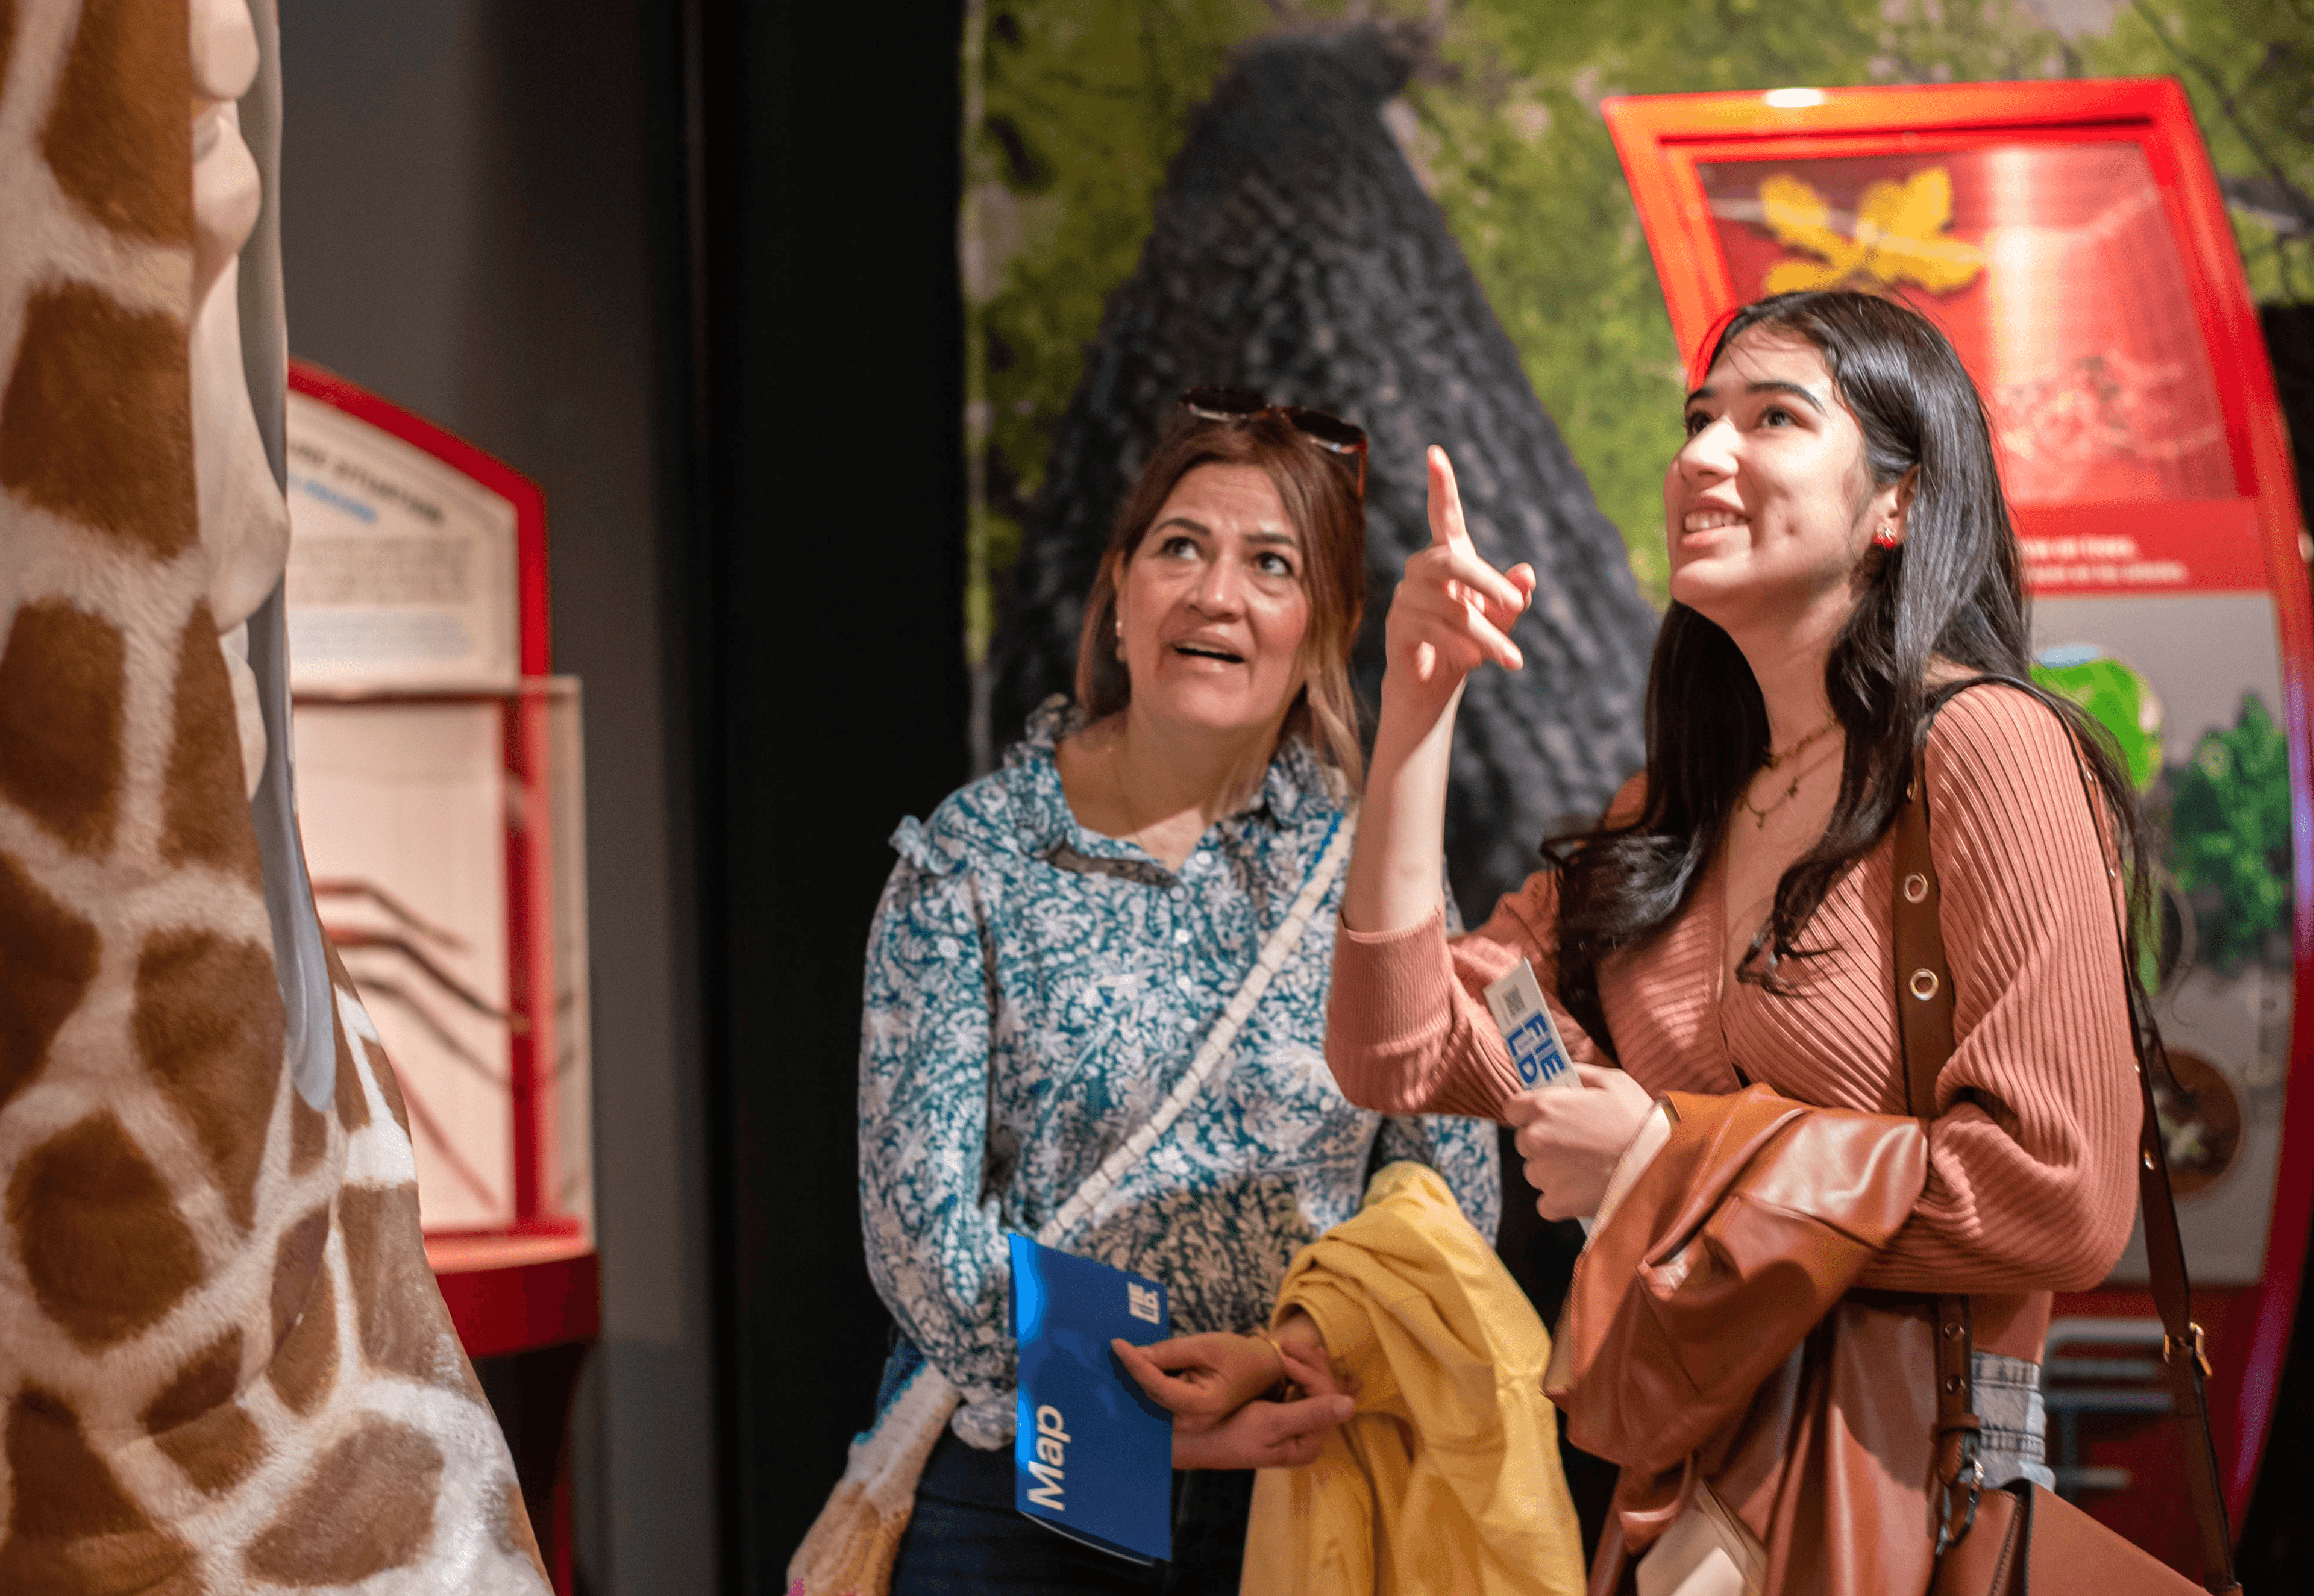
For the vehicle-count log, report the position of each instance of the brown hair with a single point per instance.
(1321, 500)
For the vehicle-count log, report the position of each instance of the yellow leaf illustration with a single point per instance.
(1900, 235)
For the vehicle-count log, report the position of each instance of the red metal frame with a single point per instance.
(1662, 139)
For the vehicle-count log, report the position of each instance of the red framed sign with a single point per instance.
(395, 479)
(2070, 239)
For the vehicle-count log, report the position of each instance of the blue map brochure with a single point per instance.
(1093, 1458)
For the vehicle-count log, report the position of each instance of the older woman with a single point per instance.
(1847, 621)
(1060, 935)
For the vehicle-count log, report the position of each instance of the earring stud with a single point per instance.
(1886, 537)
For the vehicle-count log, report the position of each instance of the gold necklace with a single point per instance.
(1792, 788)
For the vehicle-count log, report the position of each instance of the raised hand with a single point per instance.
(1452, 611)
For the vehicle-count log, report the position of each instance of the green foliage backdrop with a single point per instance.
(1074, 106)
(2230, 824)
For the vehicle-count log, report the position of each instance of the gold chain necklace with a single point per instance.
(1776, 762)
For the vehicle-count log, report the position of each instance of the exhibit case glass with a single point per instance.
(445, 835)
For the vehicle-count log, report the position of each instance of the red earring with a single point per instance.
(1886, 537)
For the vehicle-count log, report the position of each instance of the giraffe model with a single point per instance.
(225, 1366)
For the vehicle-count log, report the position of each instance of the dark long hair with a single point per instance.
(1950, 591)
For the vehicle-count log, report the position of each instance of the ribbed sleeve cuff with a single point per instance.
(1397, 1035)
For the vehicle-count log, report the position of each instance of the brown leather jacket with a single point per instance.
(1709, 1336)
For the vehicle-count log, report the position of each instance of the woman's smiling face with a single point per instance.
(1768, 507)
(1213, 606)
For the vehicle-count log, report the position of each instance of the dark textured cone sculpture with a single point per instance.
(1294, 251)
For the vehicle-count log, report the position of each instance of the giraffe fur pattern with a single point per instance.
(225, 1366)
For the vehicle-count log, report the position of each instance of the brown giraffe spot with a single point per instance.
(71, 1529)
(309, 1133)
(49, 954)
(353, 1104)
(369, 1506)
(197, 1423)
(119, 137)
(60, 690)
(516, 1538)
(205, 806)
(209, 1025)
(97, 424)
(404, 1328)
(216, 1451)
(74, 1492)
(297, 1264)
(208, 1380)
(102, 1244)
(389, 1084)
(305, 1361)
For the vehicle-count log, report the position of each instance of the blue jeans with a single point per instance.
(965, 1537)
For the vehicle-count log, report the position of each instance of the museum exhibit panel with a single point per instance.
(2071, 240)
(439, 789)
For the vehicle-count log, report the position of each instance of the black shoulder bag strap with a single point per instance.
(1924, 1007)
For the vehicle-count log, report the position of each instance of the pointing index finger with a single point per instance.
(1446, 527)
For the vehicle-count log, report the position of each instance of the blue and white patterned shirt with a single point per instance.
(1034, 990)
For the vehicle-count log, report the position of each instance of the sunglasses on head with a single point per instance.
(1337, 437)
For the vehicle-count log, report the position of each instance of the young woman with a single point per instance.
(1843, 570)
(1054, 945)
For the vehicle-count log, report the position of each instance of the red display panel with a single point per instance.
(2071, 240)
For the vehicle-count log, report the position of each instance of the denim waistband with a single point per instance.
(2012, 1441)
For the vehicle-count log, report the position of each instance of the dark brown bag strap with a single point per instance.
(2165, 1257)
(1924, 1013)
(1924, 1008)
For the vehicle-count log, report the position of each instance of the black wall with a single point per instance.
(2276, 1540)
(693, 269)
(827, 626)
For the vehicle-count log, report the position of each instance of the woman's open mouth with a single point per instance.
(1209, 651)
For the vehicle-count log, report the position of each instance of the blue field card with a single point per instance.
(1094, 1456)
(1527, 1027)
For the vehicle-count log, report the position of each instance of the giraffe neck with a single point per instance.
(223, 1364)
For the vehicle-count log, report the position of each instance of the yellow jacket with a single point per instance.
(1446, 1477)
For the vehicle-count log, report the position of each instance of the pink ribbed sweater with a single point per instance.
(2030, 1186)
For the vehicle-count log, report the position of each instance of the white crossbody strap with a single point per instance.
(1275, 951)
